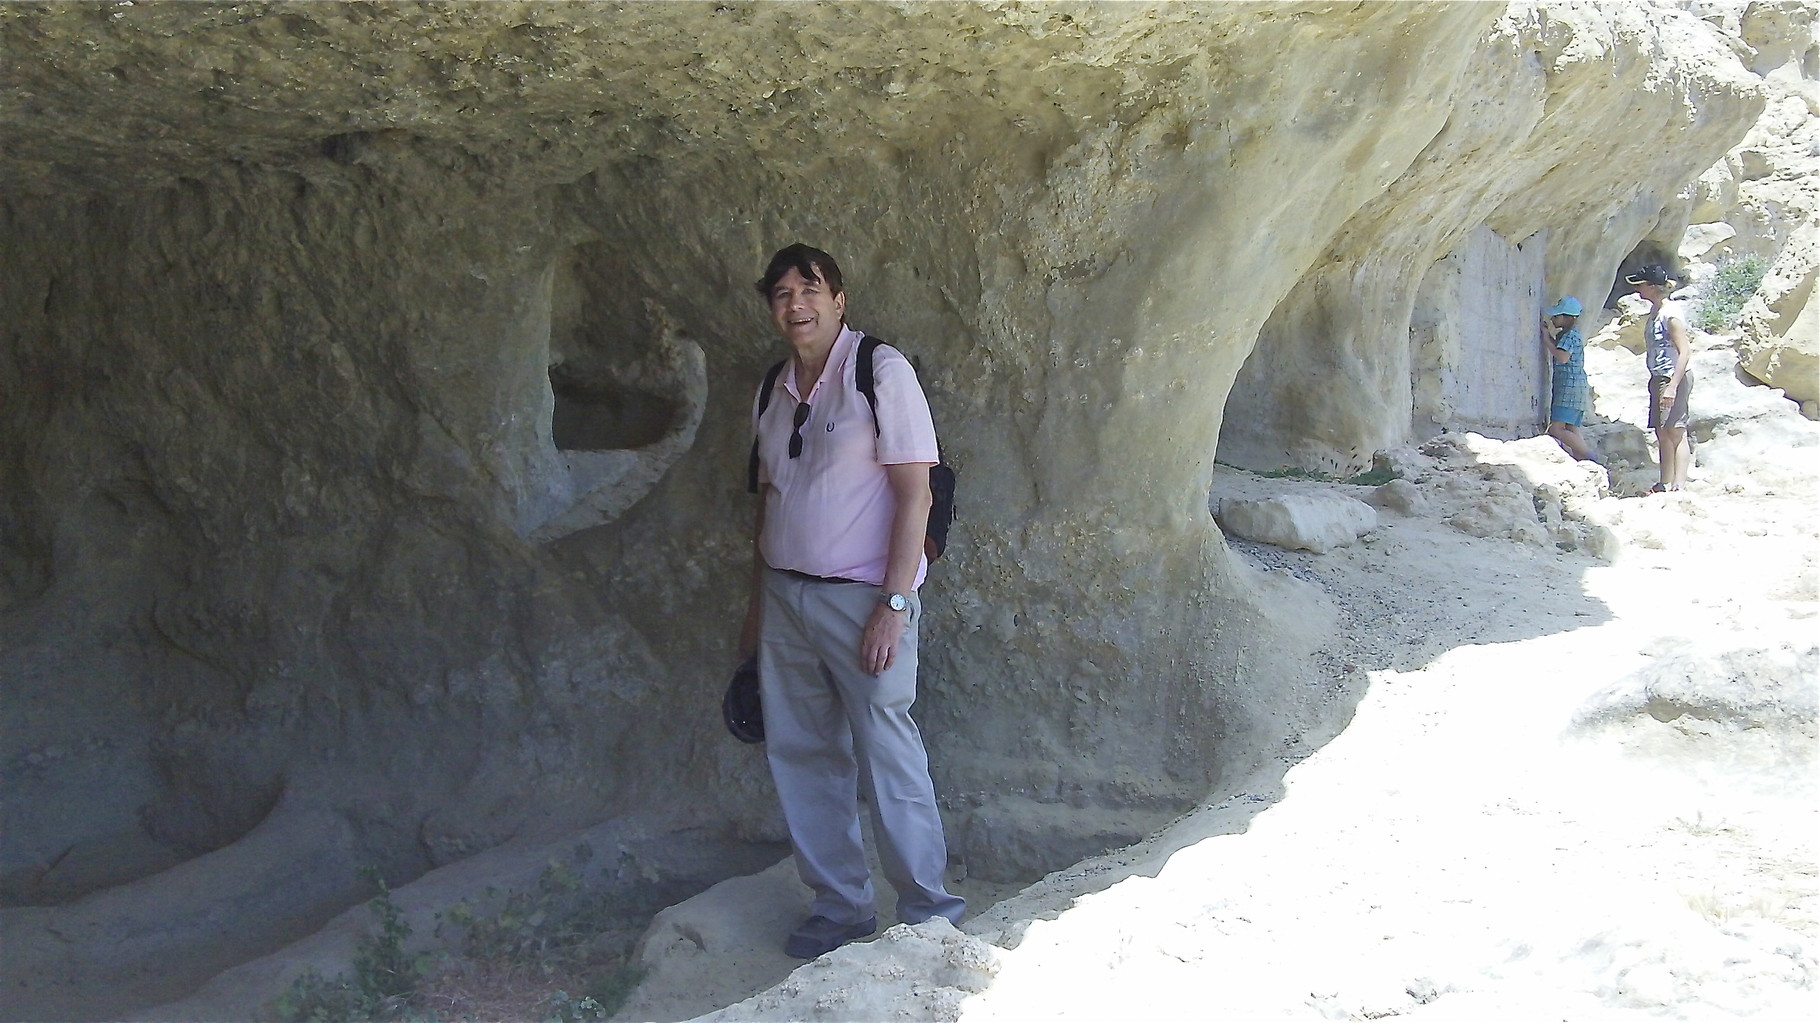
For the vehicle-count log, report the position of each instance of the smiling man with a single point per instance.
(833, 612)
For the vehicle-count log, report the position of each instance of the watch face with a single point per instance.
(898, 602)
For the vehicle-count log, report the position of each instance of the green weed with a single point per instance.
(519, 955)
(510, 955)
(384, 977)
(612, 990)
(1732, 286)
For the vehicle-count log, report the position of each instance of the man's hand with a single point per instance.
(878, 644)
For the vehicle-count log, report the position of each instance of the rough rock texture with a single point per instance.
(1584, 128)
(1755, 710)
(1309, 522)
(627, 866)
(377, 380)
(931, 966)
(1400, 496)
(1781, 323)
(1763, 198)
(716, 949)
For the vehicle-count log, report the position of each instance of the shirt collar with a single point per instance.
(838, 354)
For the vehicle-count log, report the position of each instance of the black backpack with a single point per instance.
(941, 476)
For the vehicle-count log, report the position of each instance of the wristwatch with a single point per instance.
(895, 601)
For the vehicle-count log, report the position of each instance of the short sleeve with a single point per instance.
(906, 430)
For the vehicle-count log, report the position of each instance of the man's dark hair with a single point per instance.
(811, 262)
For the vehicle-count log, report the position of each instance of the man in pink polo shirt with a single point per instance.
(834, 612)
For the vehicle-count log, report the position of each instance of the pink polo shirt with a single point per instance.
(828, 511)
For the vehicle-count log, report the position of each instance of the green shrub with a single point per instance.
(1732, 286)
(611, 991)
(384, 979)
(514, 955)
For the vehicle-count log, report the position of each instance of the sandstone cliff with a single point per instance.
(1763, 199)
(376, 380)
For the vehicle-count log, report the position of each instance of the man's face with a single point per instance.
(805, 311)
(1563, 321)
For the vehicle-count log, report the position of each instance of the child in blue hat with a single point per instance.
(1567, 405)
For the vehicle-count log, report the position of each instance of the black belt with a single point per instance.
(806, 577)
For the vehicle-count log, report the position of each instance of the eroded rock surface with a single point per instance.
(1310, 522)
(1416, 317)
(377, 380)
(1763, 198)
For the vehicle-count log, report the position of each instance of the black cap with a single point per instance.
(742, 707)
(1654, 273)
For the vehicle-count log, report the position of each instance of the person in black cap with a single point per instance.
(1667, 351)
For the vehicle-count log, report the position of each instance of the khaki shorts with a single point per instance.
(1676, 418)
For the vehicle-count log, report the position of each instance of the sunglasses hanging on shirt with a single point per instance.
(796, 429)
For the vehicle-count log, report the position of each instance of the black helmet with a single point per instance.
(744, 711)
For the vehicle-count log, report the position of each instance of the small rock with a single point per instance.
(1400, 496)
(1313, 522)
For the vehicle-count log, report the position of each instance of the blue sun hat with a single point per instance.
(1568, 306)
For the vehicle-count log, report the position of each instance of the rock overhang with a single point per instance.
(120, 93)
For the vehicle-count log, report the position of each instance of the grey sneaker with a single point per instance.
(819, 935)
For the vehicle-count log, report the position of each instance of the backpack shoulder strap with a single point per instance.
(862, 376)
(764, 402)
(764, 394)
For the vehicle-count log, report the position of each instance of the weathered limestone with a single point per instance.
(1763, 198)
(1752, 710)
(1476, 366)
(1310, 522)
(377, 382)
(1528, 490)
(1334, 376)
(1400, 496)
(1781, 324)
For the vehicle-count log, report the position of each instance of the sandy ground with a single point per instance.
(1580, 784)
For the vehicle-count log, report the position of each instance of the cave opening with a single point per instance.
(594, 412)
(1647, 252)
(611, 388)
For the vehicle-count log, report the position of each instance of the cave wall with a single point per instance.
(1476, 364)
(275, 432)
(377, 382)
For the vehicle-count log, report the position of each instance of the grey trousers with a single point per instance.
(831, 728)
